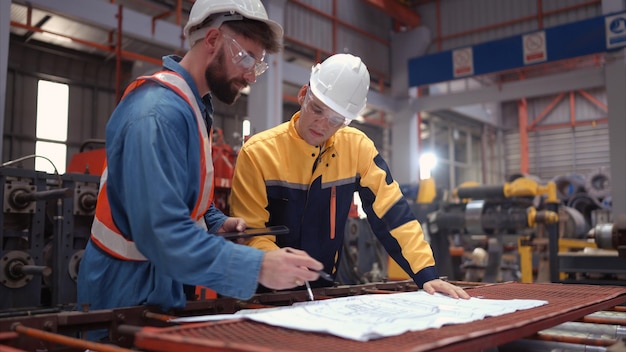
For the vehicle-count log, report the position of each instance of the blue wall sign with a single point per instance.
(566, 41)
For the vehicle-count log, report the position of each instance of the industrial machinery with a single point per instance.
(612, 236)
(589, 195)
(364, 258)
(603, 262)
(492, 211)
(223, 170)
(46, 221)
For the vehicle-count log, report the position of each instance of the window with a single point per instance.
(458, 150)
(52, 115)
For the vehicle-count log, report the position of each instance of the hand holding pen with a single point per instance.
(320, 272)
(324, 275)
(287, 268)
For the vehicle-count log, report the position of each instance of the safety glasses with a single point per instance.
(320, 111)
(242, 58)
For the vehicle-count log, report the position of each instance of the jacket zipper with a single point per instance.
(333, 210)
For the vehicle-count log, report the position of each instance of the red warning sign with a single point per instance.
(535, 48)
(463, 62)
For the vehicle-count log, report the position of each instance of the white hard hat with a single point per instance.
(341, 82)
(231, 10)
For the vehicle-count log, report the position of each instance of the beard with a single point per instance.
(221, 86)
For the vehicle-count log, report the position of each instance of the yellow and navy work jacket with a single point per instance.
(280, 179)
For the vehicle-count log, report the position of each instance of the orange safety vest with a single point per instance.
(104, 232)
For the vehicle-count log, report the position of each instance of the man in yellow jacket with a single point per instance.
(304, 172)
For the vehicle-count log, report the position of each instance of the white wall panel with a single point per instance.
(462, 16)
(314, 29)
(558, 152)
(309, 27)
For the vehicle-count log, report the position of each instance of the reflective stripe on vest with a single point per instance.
(104, 232)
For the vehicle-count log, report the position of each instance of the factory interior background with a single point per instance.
(493, 115)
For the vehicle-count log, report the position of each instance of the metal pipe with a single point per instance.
(129, 330)
(553, 244)
(103, 47)
(66, 340)
(246, 305)
(611, 331)
(374, 291)
(546, 346)
(522, 117)
(24, 197)
(118, 54)
(30, 312)
(9, 349)
(156, 316)
(603, 320)
(20, 269)
(481, 192)
(569, 338)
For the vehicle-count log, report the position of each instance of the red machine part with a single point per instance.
(224, 157)
(88, 161)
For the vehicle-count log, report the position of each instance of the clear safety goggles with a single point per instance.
(242, 58)
(320, 111)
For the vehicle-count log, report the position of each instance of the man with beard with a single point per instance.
(155, 226)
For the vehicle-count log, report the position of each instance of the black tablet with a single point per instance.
(251, 232)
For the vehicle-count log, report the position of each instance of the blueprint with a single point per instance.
(374, 316)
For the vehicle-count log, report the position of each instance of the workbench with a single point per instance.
(145, 329)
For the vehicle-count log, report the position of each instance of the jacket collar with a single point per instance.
(293, 132)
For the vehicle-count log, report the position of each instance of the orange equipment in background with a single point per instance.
(89, 162)
(223, 170)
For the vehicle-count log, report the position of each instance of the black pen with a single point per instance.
(324, 275)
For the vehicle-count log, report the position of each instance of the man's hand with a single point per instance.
(287, 268)
(232, 225)
(446, 288)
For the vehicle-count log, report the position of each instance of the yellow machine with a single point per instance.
(491, 211)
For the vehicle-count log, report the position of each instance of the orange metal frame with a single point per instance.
(524, 127)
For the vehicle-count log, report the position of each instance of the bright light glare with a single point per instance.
(359, 206)
(56, 152)
(245, 128)
(428, 161)
(52, 111)
(52, 116)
